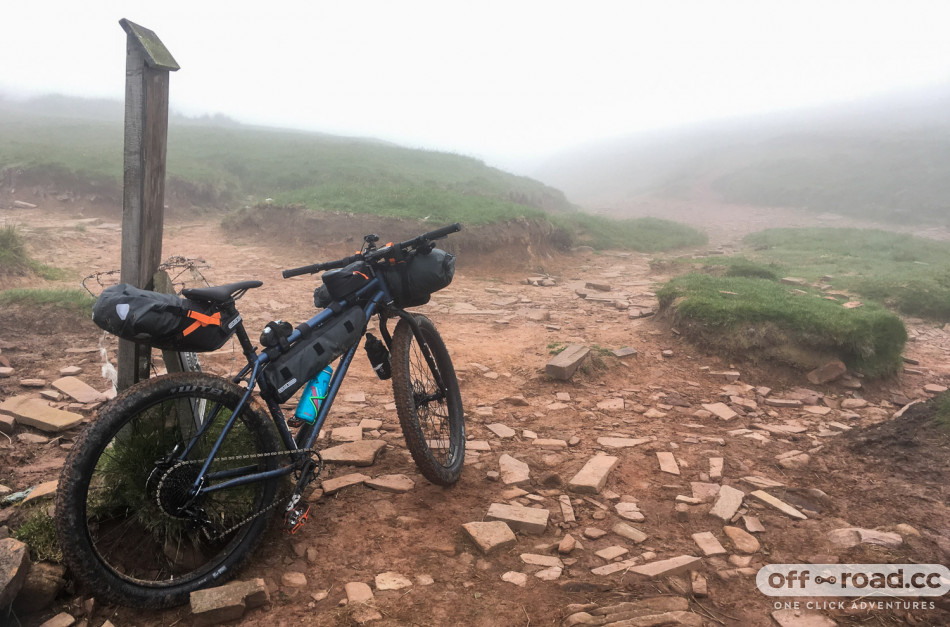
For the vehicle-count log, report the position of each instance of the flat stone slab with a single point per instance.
(567, 510)
(513, 471)
(622, 442)
(668, 463)
(780, 505)
(516, 578)
(392, 581)
(502, 431)
(612, 552)
(708, 543)
(616, 567)
(77, 389)
(715, 467)
(720, 410)
(361, 453)
(391, 483)
(592, 478)
(665, 568)
(629, 532)
(728, 503)
(527, 519)
(490, 536)
(547, 561)
(611, 404)
(358, 592)
(802, 618)
(566, 363)
(630, 511)
(478, 445)
(338, 483)
(227, 603)
(34, 412)
(346, 434)
(550, 444)
(47, 488)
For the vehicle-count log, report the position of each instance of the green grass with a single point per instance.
(639, 234)
(218, 163)
(760, 319)
(942, 403)
(908, 274)
(39, 533)
(78, 302)
(15, 261)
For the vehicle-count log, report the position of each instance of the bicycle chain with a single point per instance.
(276, 501)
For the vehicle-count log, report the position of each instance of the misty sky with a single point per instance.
(507, 81)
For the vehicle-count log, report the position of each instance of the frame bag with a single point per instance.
(163, 321)
(411, 283)
(314, 351)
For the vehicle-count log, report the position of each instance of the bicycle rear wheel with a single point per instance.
(124, 519)
(430, 414)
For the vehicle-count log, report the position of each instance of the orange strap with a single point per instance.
(201, 320)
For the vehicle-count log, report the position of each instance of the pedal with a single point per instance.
(297, 517)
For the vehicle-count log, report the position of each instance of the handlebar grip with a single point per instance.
(314, 267)
(445, 230)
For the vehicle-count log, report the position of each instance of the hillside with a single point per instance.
(214, 161)
(887, 158)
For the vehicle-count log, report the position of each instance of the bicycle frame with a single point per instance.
(378, 294)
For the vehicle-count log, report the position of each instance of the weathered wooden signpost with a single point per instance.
(148, 63)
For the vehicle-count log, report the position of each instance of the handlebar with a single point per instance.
(415, 242)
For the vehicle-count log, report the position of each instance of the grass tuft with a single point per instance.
(756, 319)
(39, 533)
(78, 302)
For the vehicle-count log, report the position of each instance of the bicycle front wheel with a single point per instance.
(428, 401)
(128, 527)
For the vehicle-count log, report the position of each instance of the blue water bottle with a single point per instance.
(313, 396)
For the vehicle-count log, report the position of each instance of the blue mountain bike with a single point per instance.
(172, 486)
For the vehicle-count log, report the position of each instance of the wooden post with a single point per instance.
(148, 63)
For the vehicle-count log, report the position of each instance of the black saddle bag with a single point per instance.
(164, 321)
(314, 352)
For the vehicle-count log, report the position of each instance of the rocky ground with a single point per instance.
(646, 489)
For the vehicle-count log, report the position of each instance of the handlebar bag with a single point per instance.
(314, 352)
(344, 282)
(163, 321)
(412, 282)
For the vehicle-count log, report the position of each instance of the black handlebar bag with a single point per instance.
(164, 321)
(412, 282)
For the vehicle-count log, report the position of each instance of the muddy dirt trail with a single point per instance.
(697, 451)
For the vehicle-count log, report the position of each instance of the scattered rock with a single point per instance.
(43, 582)
(827, 373)
(728, 503)
(360, 453)
(780, 505)
(566, 363)
(293, 579)
(502, 431)
(801, 618)
(14, 566)
(720, 410)
(516, 578)
(331, 486)
(742, 540)
(593, 476)
(490, 536)
(392, 581)
(75, 388)
(668, 463)
(665, 568)
(626, 531)
(391, 483)
(852, 536)
(630, 511)
(708, 543)
(567, 544)
(527, 519)
(358, 592)
(513, 471)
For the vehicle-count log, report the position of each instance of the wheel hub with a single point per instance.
(171, 488)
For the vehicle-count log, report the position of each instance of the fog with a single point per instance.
(508, 82)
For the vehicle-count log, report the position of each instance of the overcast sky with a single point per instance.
(507, 81)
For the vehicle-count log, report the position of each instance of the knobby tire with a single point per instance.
(116, 515)
(432, 421)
